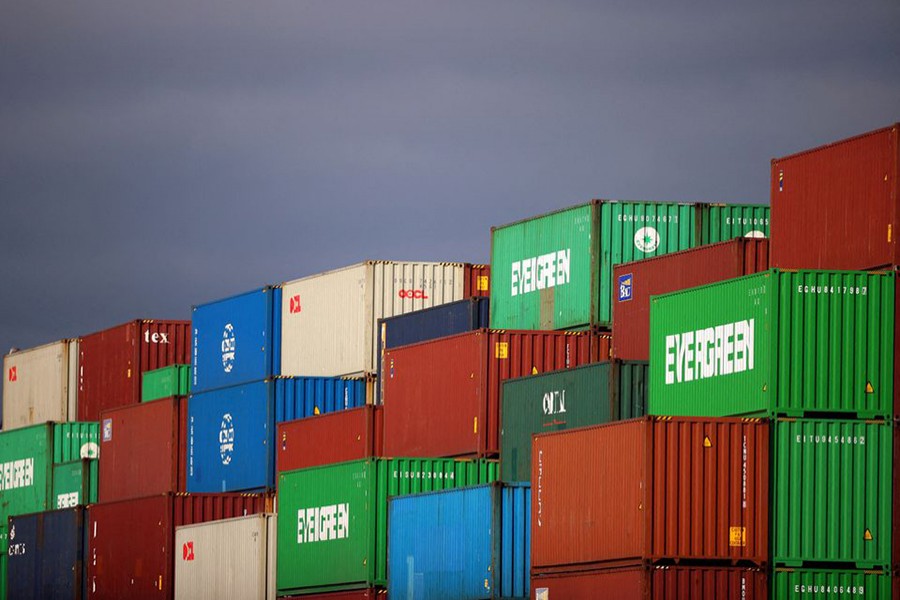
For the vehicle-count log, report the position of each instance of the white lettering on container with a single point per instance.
(830, 589)
(540, 272)
(17, 474)
(838, 440)
(711, 352)
(323, 523)
(555, 402)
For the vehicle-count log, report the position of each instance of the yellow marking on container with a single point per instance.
(870, 389)
(889, 232)
(534, 371)
(707, 443)
(737, 537)
(501, 350)
(475, 425)
(316, 410)
(868, 535)
(481, 284)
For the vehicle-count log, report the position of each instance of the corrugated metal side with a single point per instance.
(832, 486)
(435, 322)
(26, 455)
(720, 222)
(821, 583)
(632, 384)
(515, 544)
(74, 356)
(330, 438)
(36, 385)
(199, 508)
(46, 559)
(626, 583)
(75, 483)
(231, 439)
(300, 397)
(368, 594)
(75, 440)
(477, 281)
(223, 559)
(849, 191)
(174, 380)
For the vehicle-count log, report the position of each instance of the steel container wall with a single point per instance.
(75, 483)
(720, 222)
(300, 397)
(330, 320)
(369, 594)
(477, 280)
(142, 449)
(849, 191)
(443, 396)
(26, 460)
(111, 362)
(468, 543)
(657, 583)
(46, 556)
(821, 583)
(40, 384)
(350, 551)
(831, 492)
(586, 395)
(651, 489)
(174, 380)
(555, 271)
(236, 339)
(233, 558)
(804, 342)
(632, 381)
(637, 281)
(342, 436)
(75, 440)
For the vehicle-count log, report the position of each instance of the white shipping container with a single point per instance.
(231, 558)
(40, 384)
(329, 321)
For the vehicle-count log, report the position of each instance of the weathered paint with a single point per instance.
(46, 555)
(301, 397)
(76, 440)
(345, 435)
(40, 384)
(26, 466)
(75, 483)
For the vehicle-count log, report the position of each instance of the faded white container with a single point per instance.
(329, 321)
(40, 384)
(231, 558)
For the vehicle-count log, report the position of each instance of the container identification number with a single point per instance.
(843, 290)
(849, 440)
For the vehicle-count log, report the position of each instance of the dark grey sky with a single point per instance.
(155, 155)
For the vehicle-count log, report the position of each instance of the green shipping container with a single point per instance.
(588, 395)
(26, 470)
(793, 343)
(831, 491)
(829, 584)
(332, 520)
(174, 380)
(75, 440)
(721, 222)
(555, 271)
(74, 483)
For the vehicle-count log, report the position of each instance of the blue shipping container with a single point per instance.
(464, 544)
(236, 340)
(431, 323)
(46, 555)
(301, 397)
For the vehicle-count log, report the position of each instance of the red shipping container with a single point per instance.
(143, 449)
(650, 489)
(369, 594)
(478, 280)
(442, 397)
(656, 583)
(111, 362)
(334, 437)
(838, 206)
(637, 281)
(131, 542)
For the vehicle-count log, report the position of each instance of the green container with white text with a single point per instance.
(830, 584)
(74, 483)
(722, 222)
(26, 471)
(75, 440)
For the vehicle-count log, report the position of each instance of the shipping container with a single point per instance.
(300, 397)
(822, 583)
(477, 281)
(651, 489)
(468, 543)
(825, 342)
(111, 362)
(637, 281)
(332, 520)
(75, 483)
(638, 582)
(26, 460)
(848, 194)
(587, 395)
(720, 222)
(555, 271)
(330, 320)
(831, 493)
(337, 437)
(46, 555)
(443, 396)
(428, 324)
(174, 380)
(369, 594)
(41, 384)
(143, 449)
(76, 440)
(131, 543)
(232, 558)
(236, 340)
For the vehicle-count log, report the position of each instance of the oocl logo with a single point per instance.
(226, 439)
(414, 294)
(646, 239)
(229, 344)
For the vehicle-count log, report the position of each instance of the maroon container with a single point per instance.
(369, 594)
(130, 542)
(478, 280)
(650, 489)
(143, 449)
(334, 437)
(442, 397)
(838, 206)
(657, 583)
(670, 273)
(111, 362)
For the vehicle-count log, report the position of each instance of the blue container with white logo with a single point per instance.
(46, 555)
(469, 543)
(236, 340)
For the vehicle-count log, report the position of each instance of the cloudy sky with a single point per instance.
(155, 155)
